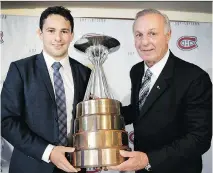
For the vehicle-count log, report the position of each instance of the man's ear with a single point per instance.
(39, 33)
(72, 35)
(168, 35)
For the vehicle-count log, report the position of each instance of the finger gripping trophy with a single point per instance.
(99, 129)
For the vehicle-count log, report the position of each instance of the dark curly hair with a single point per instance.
(59, 10)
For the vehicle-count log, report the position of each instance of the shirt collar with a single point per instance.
(158, 67)
(50, 60)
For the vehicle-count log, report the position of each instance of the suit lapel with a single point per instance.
(41, 65)
(75, 74)
(160, 86)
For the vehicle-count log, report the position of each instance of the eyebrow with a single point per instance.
(49, 28)
(64, 29)
(152, 29)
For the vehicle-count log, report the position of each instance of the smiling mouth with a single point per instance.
(148, 50)
(57, 46)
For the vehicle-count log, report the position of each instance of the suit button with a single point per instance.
(56, 119)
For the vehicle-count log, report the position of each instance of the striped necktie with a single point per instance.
(145, 86)
(61, 103)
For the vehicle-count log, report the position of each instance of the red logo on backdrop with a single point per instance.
(92, 170)
(131, 137)
(1, 37)
(187, 42)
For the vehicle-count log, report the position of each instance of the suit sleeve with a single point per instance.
(198, 115)
(129, 112)
(13, 125)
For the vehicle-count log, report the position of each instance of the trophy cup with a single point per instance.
(99, 129)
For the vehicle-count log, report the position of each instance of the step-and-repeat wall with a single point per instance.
(190, 41)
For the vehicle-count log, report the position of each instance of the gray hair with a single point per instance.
(153, 11)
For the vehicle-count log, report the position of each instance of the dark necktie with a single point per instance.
(61, 103)
(145, 86)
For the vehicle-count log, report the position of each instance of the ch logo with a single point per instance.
(1, 37)
(93, 170)
(187, 43)
(131, 137)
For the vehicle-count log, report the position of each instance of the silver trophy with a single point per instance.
(99, 129)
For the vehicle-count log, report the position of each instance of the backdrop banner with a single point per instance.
(191, 41)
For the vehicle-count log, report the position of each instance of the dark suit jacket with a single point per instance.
(28, 111)
(174, 126)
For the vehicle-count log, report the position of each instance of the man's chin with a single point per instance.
(147, 58)
(59, 53)
(59, 56)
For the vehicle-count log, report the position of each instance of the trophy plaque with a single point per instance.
(99, 129)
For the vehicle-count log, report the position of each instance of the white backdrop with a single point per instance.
(190, 41)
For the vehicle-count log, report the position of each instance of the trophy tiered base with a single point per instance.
(99, 134)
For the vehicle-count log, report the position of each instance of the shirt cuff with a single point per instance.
(47, 152)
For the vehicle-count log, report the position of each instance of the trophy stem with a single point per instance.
(108, 94)
(100, 82)
(94, 81)
(97, 85)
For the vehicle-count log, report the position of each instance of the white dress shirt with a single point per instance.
(66, 75)
(156, 69)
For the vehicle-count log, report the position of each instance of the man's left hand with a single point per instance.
(137, 160)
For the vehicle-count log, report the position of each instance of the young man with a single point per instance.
(39, 97)
(171, 104)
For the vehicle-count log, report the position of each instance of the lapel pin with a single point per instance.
(158, 87)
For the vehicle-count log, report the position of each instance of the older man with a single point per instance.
(171, 104)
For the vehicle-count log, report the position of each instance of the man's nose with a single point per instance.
(58, 36)
(145, 40)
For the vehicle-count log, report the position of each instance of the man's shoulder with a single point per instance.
(26, 61)
(186, 67)
(187, 72)
(136, 66)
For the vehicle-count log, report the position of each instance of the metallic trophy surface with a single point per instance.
(99, 129)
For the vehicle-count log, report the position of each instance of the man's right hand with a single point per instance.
(57, 157)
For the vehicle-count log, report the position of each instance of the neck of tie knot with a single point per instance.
(148, 73)
(56, 66)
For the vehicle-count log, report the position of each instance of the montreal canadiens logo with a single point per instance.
(187, 42)
(92, 170)
(131, 137)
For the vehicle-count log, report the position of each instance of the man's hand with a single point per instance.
(137, 160)
(57, 157)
